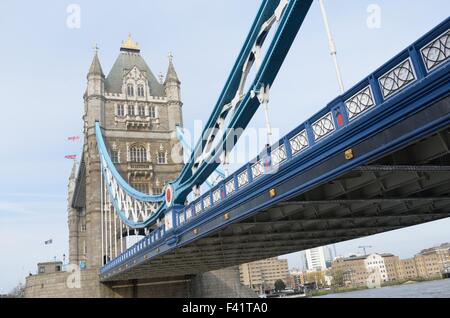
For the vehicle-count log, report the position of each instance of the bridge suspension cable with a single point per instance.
(332, 46)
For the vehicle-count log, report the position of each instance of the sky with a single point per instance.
(46, 56)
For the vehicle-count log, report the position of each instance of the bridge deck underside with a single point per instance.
(405, 188)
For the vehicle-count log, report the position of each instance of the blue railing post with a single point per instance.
(236, 183)
(337, 110)
(287, 147)
(376, 90)
(249, 173)
(417, 61)
(310, 134)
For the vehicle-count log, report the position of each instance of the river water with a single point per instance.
(433, 289)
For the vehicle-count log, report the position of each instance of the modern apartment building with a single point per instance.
(262, 275)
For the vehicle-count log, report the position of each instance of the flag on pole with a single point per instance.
(73, 157)
(50, 241)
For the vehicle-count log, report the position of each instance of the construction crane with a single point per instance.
(363, 247)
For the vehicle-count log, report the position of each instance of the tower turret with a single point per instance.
(73, 219)
(94, 97)
(173, 87)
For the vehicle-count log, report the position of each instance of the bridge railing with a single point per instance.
(402, 72)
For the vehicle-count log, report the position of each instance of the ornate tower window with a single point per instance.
(161, 155)
(141, 187)
(131, 111)
(157, 188)
(115, 156)
(141, 110)
(152, 112)
(114, 153)
(130, 90)
(162, 158)
(138, 154)
(140, 90)
(120, 110)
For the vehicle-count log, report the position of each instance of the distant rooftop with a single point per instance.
(435, 248)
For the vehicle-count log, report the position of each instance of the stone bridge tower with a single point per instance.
(139, 114)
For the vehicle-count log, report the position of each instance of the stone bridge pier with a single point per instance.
(222, 283)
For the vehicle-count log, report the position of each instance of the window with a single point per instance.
(83, 227)
(138, 154)
(41, 269)
(141, 187)
(131, 111)
(152, 112)
(130, 90)
(162, 158)
(141, 111)
(120, 110)
(141, 91)
(115, 156)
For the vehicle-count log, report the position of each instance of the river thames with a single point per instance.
(433, 289)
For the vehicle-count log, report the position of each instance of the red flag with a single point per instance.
(74, 138)
(73, 157)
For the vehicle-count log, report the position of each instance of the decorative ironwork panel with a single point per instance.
(216, 196)
(299, 142)
(207, 202)
(181, 218)
(229, 187)
(360, 103)
(242, 179)
(257, 170)
(397, 79)
(198, 208)
(436, 52)
(188, 214)
(323, 126)
(278, 155)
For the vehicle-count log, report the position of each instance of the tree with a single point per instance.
(279, 285)
(18, 291)
(338, 278)
(316, 277)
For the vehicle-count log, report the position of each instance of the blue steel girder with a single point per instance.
(289, 14)
(188, 149)
(414, 84)
(291, 18)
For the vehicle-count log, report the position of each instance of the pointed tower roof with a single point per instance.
(129, 58)
(171, 73)
(96, 68)
(73, 173)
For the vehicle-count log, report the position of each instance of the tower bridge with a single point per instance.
(374, 159)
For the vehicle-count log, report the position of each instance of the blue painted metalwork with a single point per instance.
(304, 150)
(182, 139)
(289, 14)
(119, 190)
(291, 19)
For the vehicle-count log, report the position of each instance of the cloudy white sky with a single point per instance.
(43, 75)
